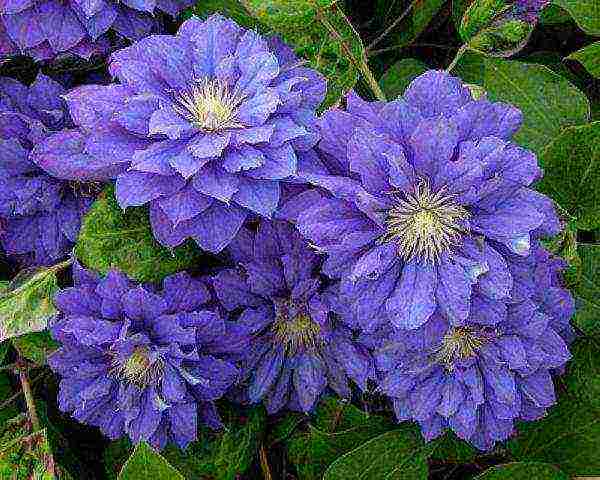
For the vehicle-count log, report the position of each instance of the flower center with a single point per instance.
(139, 368)
(295, 329)
(85, 189)
(459, 343)
(425, 224)
(210, 105)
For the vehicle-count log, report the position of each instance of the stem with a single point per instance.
(393, 25)
(264, 463)
(8, 401)
(461, 51)
(361, 64)
(33, 416)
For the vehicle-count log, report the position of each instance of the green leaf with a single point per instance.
(589, 57)
(416, 22)
(110, 238)
(395, 455)
(6, 392)
(26, 304)
(478, 16)
(230, 8)
(459, 7)
(337, 428)
(450, 448)
(219, 456)
(571, 164)
(553, 14)
(548, 101)
(321, 33)
(569, 435)
(24, 454)
(586, 13)
(145, 464)
(587, 291)
(397, 78)
(35, 347)
(523, 471)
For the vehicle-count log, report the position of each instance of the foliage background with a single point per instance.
(377, 47)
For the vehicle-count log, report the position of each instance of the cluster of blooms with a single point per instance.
(40, 214)
(393, 245)
(49, 29)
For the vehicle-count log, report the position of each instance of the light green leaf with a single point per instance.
(110, 238)
(589, 57)
(548, 101)
(395, 80)
(478, 16)
(569, 435)
(229, 8)
(395, 455)
(146, 464)
(553, 14)
(586, 13)
(571, 164)
(523, 471)
(321, 33)
(35, 347)
(587, 290)
(26, 304)
(337, 428)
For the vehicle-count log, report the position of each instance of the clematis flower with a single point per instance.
(147, 364)
(478, 378)
(203, 126)
(529, 10)
(40, 214)
(436, 196)
(299, 348)
(48, 29)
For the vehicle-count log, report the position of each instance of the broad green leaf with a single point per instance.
(553, 14)
(450, 448)
(587, 290)
(26, 304)
(416, 22)
(395, 80)
(523, 471)
(569, 435)
(396, 455)
(284, 427)
(24, 454)
(223, 455)
(320, 33)
(230, 8)
(110, 238)
(586, 13)
(549, 102)
(35, 347)
(337, 428)
(571, 163)
(147, 464)
(589, 57)
(6, 392)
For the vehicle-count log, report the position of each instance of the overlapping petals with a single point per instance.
(203, 127)
(435, 149)
(142, 363)
(40, 214)
(49, 29)
(479, 378)
(299, 348)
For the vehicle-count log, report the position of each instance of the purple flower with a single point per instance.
(436, 196)
(40, 215)
(298, 348)
(529, 10)
(203, 127)
(142, 363)
(481, 376)
(47, 29)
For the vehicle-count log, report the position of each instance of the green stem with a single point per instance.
(461, 51)
(29, 401)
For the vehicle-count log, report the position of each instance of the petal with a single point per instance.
(138, 188)
(436, 93)
(217, 226)
(260, 196)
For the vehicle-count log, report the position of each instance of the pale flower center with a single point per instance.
(459, 343)
(210, 105)
(296, 332)
(425, 224)
(139, 369)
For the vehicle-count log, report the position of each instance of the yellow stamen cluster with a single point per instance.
(458, 343)
(210, 105)
(138, 369)
(425, 224)
(299, 332)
